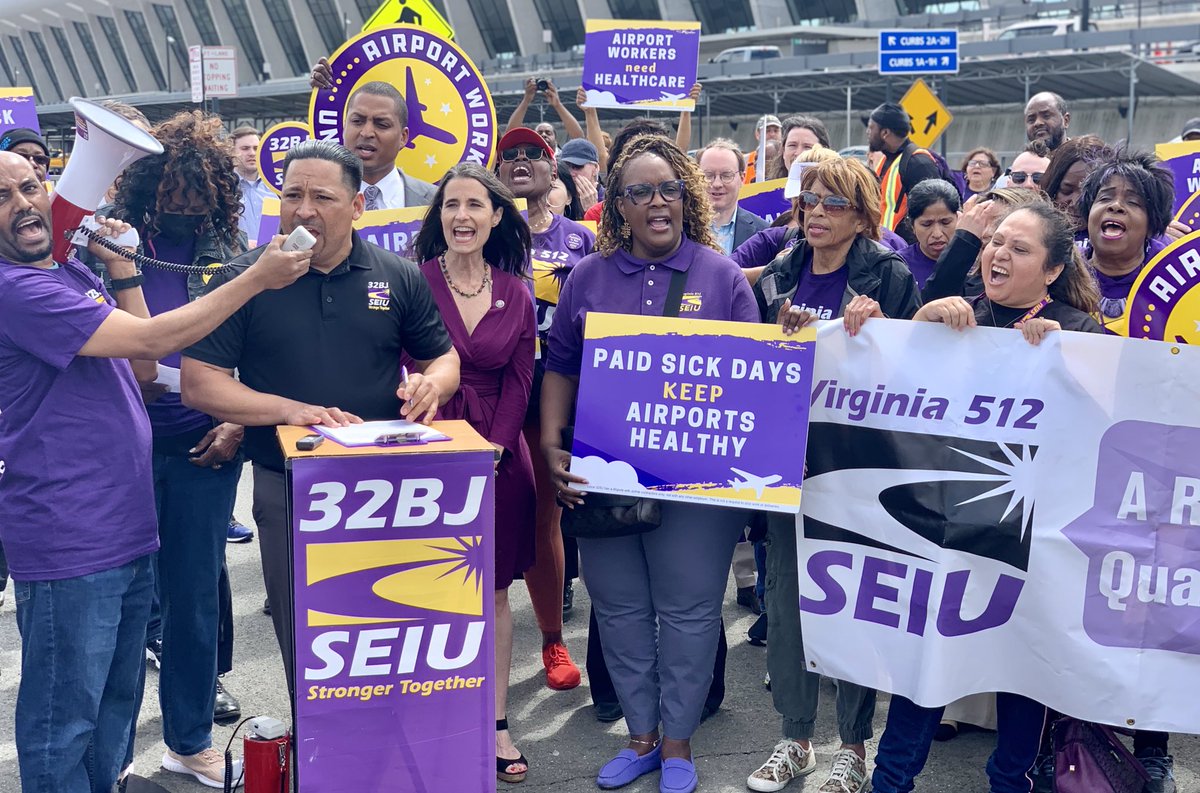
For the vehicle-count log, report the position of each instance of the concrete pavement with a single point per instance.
(555, 730)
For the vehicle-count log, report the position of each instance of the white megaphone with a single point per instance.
(105, 143)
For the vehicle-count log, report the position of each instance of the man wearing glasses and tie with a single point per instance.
(28, 144)
(724, 167)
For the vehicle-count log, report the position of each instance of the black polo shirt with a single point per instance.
(331, 340)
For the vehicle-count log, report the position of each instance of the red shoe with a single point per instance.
(561, 672)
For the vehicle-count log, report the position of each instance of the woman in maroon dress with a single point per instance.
(475, 248)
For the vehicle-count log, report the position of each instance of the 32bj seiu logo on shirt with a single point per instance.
(379, 295)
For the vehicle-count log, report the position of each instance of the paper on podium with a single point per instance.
(369, 432)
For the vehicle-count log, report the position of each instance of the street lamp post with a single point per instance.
(167, 55)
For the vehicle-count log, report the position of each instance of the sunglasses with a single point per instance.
(834, 204)
(639, 194)
(36, 159)
(530, 152)
(1019, 177)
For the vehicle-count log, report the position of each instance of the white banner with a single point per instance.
(985, 515)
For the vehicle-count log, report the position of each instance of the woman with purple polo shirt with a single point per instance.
(657, 595)
(837, 270)
(933, 207)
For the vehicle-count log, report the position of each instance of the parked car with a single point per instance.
(746, 54)
(857, 152)
(1041, 27)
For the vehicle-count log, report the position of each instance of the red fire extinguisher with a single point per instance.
(265, 752)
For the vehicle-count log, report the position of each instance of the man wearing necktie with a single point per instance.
(376, 130)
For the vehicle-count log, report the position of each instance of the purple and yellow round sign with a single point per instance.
(274, 146)
(451, 116)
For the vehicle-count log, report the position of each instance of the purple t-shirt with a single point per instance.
(821, 294)
(76, 490)
(890, 239)
(762, 247)
(555, 253)
(166, 291)
(920, 265)
(622, 284)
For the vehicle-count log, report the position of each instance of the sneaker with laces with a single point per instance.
(788, 761)
(238, 532)
(1160, 767)
(207, 767)
(848, 775)
(561, 672)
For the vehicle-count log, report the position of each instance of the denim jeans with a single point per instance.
(82, 648)
(904, 745)
(193, 505)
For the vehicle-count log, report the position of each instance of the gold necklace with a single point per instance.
(542, 227)
(487, 280)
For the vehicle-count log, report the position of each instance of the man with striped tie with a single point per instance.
(377, 130)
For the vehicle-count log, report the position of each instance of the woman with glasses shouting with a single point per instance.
(837, 270)
(657, 595)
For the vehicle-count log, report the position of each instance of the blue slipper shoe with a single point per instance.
(678, 776)
(627, 766)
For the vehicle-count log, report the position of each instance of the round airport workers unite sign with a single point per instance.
(451, 116)
(274, 146)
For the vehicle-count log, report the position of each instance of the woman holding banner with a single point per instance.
(837, 270)
(657, 594)
(1036, 283)
(475, 246)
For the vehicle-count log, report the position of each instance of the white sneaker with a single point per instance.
(788, 761)
(207, 767)
(848, 775)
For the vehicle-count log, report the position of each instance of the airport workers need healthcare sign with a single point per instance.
(693, 410)
(641, 65)
(394, 657)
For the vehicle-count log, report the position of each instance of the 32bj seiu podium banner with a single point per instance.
(393, 576)
(980, 514)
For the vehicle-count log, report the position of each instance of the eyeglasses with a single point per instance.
(979, 163)
(530, 152)
(1019, 177)
(834, 204)
(639, 194)
(725, 177)
(36, 159)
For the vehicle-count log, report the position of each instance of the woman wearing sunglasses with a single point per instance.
(837, 270)
(657, 595)
(475, 246)
(527, 168)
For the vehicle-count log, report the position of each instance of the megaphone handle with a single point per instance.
(146, 261)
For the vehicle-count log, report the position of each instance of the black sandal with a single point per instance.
(503, 763)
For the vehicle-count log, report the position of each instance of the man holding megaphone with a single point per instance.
(77, 514)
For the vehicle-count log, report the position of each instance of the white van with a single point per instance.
(1041, 27)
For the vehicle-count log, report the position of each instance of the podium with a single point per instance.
(392, 570)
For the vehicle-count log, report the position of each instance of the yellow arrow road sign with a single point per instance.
(929, 116)
(410, 12)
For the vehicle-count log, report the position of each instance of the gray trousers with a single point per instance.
(794, 689)
(657, 598)
(270, 515)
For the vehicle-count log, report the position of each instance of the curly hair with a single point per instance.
(1145, 174)
(697, 212)
(196, 163)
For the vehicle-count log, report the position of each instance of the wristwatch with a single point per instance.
(132, 282)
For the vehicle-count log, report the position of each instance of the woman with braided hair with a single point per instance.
(185, 204)
(657, 595)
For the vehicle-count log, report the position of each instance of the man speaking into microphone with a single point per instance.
(76, 498)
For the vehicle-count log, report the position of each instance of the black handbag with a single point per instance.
(606, 514)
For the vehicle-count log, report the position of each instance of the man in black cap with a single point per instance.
(1191, 130)
(28, 144)
(904, 165)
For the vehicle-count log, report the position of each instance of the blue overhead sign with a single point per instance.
(918, 52)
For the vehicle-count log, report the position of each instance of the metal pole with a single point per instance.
(849, 114)
(1132, 100)
(167, 58)
(708, 115)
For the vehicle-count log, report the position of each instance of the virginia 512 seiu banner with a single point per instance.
(983, 515)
